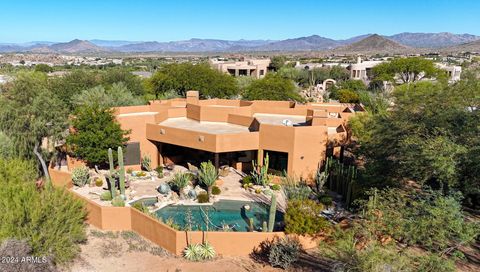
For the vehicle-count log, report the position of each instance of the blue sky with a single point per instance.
(146, 20)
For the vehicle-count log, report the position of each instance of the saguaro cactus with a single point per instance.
(110, 177)
(121, 172)
(273, 210)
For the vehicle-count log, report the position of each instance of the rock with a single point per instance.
(164, 189)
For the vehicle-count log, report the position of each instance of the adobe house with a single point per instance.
(235, 132)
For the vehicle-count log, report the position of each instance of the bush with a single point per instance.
(80, 176)
(202, 197)
(146, 161)
(216, 190)
(106, 196)
(51, 220)
(347, 96)
(303, 217)
(159, 171)
(247, 180)
(295, 189)
(129, 171)
(118, 202)
(276, 187)
(325, 200)
(284, 252)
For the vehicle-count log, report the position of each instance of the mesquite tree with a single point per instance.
(30, 114)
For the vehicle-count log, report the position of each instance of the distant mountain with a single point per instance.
(432, 40)
(354, 39)
(309, 43)
(466, 47)
(76, 46)
(362, 44)
(108, 43)
(192, 45)
(373, 44)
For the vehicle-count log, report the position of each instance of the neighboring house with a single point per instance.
(256, 68)
(296, 137)
(314, 65)
(453, 71)
(362, 70)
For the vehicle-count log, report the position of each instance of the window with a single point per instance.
(132, 153)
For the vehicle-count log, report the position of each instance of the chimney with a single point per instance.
(192, 97)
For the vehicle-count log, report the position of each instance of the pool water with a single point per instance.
(223, 213)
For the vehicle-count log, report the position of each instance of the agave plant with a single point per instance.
(207, 251)
(208, 174)
(180, 181)
(192, 252)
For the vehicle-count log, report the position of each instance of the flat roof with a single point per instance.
(204, 126)
(277, 119)
(137, 113)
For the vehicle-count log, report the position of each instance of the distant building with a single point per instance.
(313, 65)
(453, 71)
(362, 69)
(256, 68)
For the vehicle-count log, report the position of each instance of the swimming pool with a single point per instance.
(224, 213)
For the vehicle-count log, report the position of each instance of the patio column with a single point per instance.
(260, 157)
(217, 160)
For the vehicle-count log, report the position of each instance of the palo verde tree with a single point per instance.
(272, 87)
(183, 77)
(30, 113)
(408, 70)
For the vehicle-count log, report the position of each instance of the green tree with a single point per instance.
(131, 82)
(407, 69)
(116, 96)
(95, 131)
(346, 96)
(183, 77)
(277, 62)
(272, 87)
(30, 113)
(44, 68)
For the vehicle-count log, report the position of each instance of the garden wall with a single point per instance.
(126, 218)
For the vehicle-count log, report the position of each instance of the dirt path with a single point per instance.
(128, 252)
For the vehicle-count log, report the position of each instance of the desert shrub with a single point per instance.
(347, 96)
(180, 180)
(303, 217)
(247, 180)
(146, 161)
(141, 207)
(21, 249)
(14, 171)
(216, 190)
(106, 196)
(295, 189)
(118, 202)
(202, 197)
(80, 176)
(50, 220)
(159, 171)
(284, 252)
(325, 200)
(276, 187)
(129, 171)
(435, 263)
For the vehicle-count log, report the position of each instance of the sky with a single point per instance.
(163, 20)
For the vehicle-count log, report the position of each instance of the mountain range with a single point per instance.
(368, 43)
